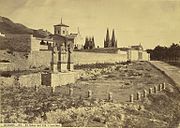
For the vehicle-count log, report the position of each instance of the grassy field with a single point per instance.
(160, 110)
(120, 79)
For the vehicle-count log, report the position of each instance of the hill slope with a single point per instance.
(9, 27)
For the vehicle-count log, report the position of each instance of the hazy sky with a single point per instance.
(149, 22)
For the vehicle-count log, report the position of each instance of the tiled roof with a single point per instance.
(62, 25)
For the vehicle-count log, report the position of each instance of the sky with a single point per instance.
(149, 22)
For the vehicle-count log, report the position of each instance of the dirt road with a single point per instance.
(171, 71)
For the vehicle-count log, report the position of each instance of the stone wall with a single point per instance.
(39, 58)
(43, 58)
(136, 55)
(90, 57)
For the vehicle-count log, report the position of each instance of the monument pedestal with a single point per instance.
(59, 78)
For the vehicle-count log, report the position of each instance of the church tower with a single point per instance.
(107, 40)
(61, 29)
(113, 40)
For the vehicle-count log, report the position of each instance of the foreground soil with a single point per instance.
(160, 110)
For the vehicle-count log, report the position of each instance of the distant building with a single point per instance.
(110, 43)
(78, 40)
(137, 53)
(137, 47)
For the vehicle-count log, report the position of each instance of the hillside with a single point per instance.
(9, 27)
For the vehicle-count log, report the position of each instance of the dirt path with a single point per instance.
(171, 71)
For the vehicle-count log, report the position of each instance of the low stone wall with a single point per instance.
(30, 79)
(24, 80)
(7, 81)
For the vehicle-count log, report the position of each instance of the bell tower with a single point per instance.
(61, 29)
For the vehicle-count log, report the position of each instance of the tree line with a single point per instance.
(169, 54)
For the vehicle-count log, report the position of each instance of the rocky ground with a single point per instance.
(158, 110)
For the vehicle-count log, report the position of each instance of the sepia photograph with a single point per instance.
(90, 63)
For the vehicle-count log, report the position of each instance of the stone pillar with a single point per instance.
(70, 64)
(138, 95)
(163, 86)
(144, 93)
(131, 98)
(54, 59)
(70, 91)
(155, 89)
(89, 94)
(150, 90)
(62, 60)
(110, 96)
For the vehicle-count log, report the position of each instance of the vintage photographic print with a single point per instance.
(90, 63)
